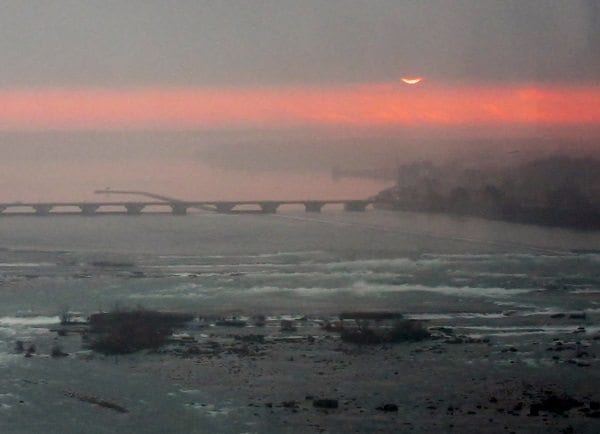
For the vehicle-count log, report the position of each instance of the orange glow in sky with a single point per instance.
(367, 105)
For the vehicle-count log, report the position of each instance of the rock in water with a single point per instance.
(388, 407)
(325, 403)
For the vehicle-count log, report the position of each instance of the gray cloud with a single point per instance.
(145, 42)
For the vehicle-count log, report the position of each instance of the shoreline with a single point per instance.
(535, 218)
(228, 376)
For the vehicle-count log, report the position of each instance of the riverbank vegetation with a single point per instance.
(556, 191)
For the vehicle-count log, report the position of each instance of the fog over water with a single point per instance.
(57, 144)
(70, 166)
(236, 165)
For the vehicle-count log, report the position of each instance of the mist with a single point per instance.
(209, 94)
(248, 163)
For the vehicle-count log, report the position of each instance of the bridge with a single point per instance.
(174, 206)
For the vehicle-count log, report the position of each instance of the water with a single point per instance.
(292, 261)
(481, 277)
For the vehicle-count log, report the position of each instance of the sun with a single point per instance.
(412, 80)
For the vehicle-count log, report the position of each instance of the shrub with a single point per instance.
(65, 316)
(408, 330)
(128, 332)
(402, 331)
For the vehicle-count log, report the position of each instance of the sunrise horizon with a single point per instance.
(365, 105)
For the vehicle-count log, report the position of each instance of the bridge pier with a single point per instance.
(88, 209)
(42, 210)
(268, 207)
(355, 206)
(313, 206)
(179, 209)
(134, 208)
(224, 208)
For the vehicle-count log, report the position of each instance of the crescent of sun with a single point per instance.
(414, 80)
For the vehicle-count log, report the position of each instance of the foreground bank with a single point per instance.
(502, 373)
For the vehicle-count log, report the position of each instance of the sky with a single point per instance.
(94, 73)
(267, 42)
(229, 64)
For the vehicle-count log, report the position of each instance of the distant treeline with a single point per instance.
(556, 191)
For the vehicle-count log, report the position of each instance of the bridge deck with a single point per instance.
(179, 207)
